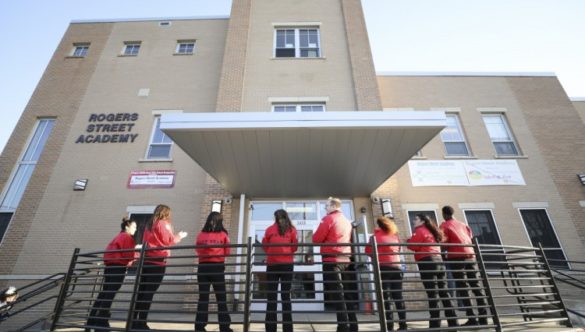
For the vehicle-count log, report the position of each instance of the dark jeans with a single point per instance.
(150, 280)
(113, 280)
(209, 274)
(432, 273)
(340, 284)
(276, 273)
(464, 279)
(392, 286)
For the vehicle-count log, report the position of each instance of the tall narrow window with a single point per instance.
(297, 43)
(24, 169)
(453, 137)
(131, 48)
(412, 216)
(500, 135)
(484, 229)
(540, 231)
(160, 143)
(80, 50)
(298, 108)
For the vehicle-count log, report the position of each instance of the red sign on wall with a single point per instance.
(151, 179)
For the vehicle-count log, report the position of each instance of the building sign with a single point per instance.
(151, 179)
(109, 128)
(465, 173)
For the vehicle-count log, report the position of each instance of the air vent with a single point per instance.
(164, 24)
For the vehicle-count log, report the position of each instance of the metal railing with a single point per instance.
(571, 275)
(506, 286)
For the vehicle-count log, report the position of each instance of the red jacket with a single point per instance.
(387, 255)
(334, 228)
(457, 232)
(212, 254)
(161, 235)
(122, 241)
(423, 235)
(280, 254)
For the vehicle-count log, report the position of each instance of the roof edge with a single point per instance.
(124, 20)
(466, 74)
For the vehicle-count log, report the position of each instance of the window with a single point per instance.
(185, 47)
(412, 214)
(297, 43)
(4, 221)
(131, 48)
(500, 135)
(453, 137)
(298, 108)
(484, 229)
(540, 231)
(80, 50)
(160, 143)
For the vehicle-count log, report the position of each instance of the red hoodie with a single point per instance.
(387, 255)
(285, 252)
(334, 228)
(457, 232)
(122, 241)
(212, 254)
(161, 235)
(423, 235)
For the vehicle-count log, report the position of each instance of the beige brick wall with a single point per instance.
(580, 107)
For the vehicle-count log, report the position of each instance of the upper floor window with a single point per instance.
(500, 135)
(453, 137)
(297, 43)
(80, 50)
(298, 108)
(185, 47)
(160, 143)
(131, 48)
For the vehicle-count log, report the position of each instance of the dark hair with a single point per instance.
(283, 221)
(126, 222)
(447, 212)
(432, 227)
(214, 223)
(161, 212)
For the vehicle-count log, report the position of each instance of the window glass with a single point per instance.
(185, 47)
(132, 49)
(40, 137)
(301, 211)
(500, 134)
(541, 231)
(160, 146)
(308, 43)
(4, 221)
(412, 214)
(265, 211)
(81, 50)
(453, 138)
(483, 227)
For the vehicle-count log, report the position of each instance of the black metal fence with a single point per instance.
(505, 286)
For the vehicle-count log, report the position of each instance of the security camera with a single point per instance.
(228, 199)
(375, 199)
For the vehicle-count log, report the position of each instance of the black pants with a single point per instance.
(212, 274)
(432, 273)
(113, 280)
(392, 287)
(283, 274)
(150, 280)
(340, 284)
(469, 278)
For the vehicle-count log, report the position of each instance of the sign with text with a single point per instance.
(152, 179)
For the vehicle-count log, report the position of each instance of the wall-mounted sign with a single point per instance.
(152, 179)
(109, 128)
(465, 173)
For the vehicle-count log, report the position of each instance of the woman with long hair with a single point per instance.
(389, 257)
(279, 243)
(213, 245)
(157, 233)
(119, 254)
(432, 270)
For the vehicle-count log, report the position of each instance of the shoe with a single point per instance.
(402, 326)
(470, 322)
(483, 321)
(226, 330)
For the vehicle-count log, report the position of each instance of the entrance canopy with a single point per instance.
(264, 154)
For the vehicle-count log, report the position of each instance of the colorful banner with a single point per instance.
(151, 179)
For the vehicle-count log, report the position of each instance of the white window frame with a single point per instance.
(298, 106)
(461, 132)
(508, 131)
(297, 45)
(150, 143)
(185, 42)
(131, 44)
(552, 225)
(80, 46)
(493, 218)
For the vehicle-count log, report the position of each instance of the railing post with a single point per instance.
(378, 285)
(554, 284)
(130, 317)
(63, 292)
(488, 288)
(248, 279)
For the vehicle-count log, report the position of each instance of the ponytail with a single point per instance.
(126, 222)
(437, 233)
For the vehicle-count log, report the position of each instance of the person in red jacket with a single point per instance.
(336, 229)
(391, 273)
(283, 236)
(432, 270)
(157, 233)
(462, 263)
(213, 245)
(119, 254)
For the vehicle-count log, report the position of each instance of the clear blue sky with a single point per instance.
(405, 35)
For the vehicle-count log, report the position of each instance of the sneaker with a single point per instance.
(470, 322)
(483, 321)
(402, 326)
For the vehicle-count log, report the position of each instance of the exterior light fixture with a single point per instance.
(387, 208)
(80, 184)
(582, 178)
(216, 205)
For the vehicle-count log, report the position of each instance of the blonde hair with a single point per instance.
(387, 225)
(334, 202)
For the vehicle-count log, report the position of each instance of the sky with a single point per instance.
(405, 36)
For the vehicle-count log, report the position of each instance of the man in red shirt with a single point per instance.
(462, 263)
(336, 229)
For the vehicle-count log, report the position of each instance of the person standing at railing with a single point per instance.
(116, 264)
(157, 233)
(432, 270)
(336, 229)
(210, 271)
(462, 262)
(279, 268)
(390, 270)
